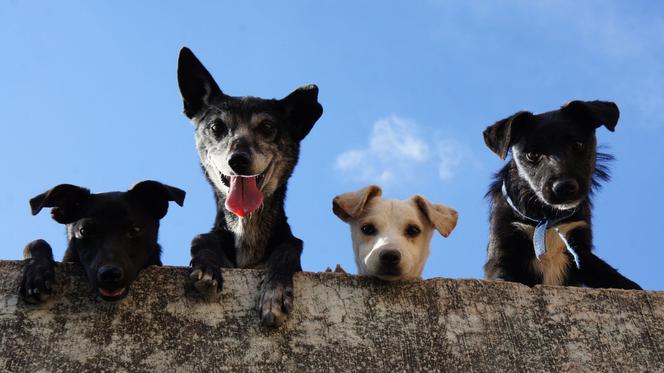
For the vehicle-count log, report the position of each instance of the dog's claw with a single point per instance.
(275, 303)
(207, 282)
(37, 282)
(196, 275)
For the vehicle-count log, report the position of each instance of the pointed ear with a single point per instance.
(67, 202)
(500, 136)
(595, 113)
(443, 218)
(303, 109)
(154, 196)
(350, 206)
(196, 84)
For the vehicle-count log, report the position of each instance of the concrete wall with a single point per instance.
(340, 323)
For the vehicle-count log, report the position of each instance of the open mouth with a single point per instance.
(226, 180)
(112, 295)
(566, 206)
(244, 195)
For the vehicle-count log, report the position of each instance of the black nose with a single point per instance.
(390, 257)
(240, 163)
(566, 188)
(110, 274)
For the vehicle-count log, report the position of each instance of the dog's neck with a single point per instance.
(252, 232)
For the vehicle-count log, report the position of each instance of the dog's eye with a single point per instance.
(135, 230)
(266, 127)
(412, 231)
(368, 229)
(533, 157)
(579, 146)
(217, 126)
(86, 231)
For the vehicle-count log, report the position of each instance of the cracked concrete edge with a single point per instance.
(340, 322)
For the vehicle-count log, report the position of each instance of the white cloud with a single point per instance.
(398, 151)
(396, 138)
(450, 157)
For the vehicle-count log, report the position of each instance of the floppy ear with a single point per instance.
(196, 84)
(67, 202)
(349, 206)
(595, 113)
(499, 136)
(443, 218)
(303, 109)
(155, 196)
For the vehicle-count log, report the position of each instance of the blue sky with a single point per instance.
(89, 96)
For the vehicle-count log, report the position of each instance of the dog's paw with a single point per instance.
(207, 281)
(38, 280)
(275, 303)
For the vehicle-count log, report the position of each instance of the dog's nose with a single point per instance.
(565, 188)
(239, 162)
(390, 257)
(110, 274)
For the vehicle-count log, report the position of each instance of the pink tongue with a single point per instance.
(244, 196)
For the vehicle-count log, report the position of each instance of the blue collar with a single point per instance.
(539, 236)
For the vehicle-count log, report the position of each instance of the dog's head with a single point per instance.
(555, 152)
(248, 145)
(114, 235)
(391, 237)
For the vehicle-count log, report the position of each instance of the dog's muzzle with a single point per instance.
(110, 279)
(390, 260)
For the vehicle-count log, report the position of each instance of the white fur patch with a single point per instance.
(524, 175)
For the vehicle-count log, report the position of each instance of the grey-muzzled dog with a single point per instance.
(541, 199)
(248, 148)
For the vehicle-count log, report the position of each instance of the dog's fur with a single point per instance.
(552, 173)
(112, 235)
(391, 237)
(265, 135)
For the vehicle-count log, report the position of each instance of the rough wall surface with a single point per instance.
(340, 323)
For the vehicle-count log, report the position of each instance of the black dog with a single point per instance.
(248, 148)
(540, 201)
(112, 235)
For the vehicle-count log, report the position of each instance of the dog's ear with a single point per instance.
(443, 218)
(595, 113)
(196, 84)
(500, 136)
(67, 202)
(349, 206)
(155, 196)
(303, 109)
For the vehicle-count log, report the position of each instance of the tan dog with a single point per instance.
(391, 237)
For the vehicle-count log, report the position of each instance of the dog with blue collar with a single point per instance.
(541, 208)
